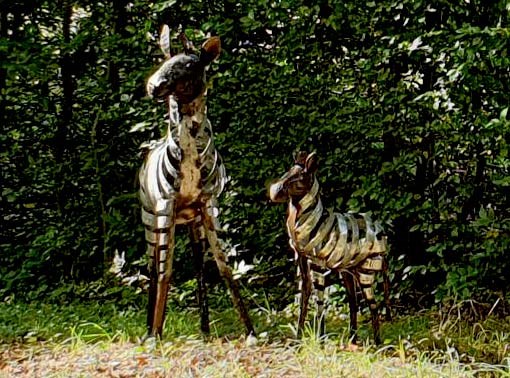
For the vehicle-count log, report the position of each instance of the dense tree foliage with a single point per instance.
(405, 103)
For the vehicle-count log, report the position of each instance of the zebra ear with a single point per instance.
(164, 41)
(210, 50)
(311, 163)
(300, 158)
(187, 44)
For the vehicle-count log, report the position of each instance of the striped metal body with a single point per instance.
(180, 179)
(349, 245)
(181, 173)
(346, 242)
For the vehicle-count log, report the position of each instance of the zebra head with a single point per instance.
(182, 75)
(297, 181)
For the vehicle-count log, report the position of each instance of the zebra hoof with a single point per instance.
(149, 341)
(251, 340)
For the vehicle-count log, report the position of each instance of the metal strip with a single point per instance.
(366, 278)
(353, 243)
(370, 231)
(310, 197)
(156, 222)
(165, 207)
(368, 292)
(213, 168)
(379, 246)
(372, 264)
(303, 231)
(207, 148)
(150, 250)
(339, 252)
(325, 252)
(164, 185)
(323, 231)
(173, 171)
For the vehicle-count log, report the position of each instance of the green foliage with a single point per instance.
(405, 103)
(40, 322)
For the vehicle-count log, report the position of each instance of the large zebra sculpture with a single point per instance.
(325, 241)
(180, 179)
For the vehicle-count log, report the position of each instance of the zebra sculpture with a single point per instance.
(180, 179)
(325, 241)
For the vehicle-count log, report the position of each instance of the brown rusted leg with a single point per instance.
(353, 304)
(153, 289)
(366, 280)
(160, 249)
(386, 288)
(305, 283)
(225, 271)
(199, 245)
(164, 269)
(375, 319)
(319, 285)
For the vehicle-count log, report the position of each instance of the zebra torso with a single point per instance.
(182, 170)
(331, 240)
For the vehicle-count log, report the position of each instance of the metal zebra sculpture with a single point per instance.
(325, 242)
(180, 179)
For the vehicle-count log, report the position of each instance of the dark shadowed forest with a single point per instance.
(404, 102)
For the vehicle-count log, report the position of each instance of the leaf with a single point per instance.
(160, 7)
(503, 114)
(140, 126)
(416, 227)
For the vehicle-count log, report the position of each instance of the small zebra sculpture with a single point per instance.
(325, 242)
(180, 179)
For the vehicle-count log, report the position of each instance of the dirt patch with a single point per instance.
(172, 359)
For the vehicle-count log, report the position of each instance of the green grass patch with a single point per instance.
(425, 344)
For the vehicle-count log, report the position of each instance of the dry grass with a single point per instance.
(189, 357)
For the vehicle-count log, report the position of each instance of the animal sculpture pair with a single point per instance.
(183, 174)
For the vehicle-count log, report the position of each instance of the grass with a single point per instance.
(425, 344)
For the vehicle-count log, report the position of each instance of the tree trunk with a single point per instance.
(66, 113)
(3, 71)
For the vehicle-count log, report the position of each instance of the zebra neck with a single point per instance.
(310, 199)
(304, 217)
(191, 116)
(190, 141)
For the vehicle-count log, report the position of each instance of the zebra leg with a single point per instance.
(198, 245)
(319, 283)
(386, 288)
(305, 284)
(350, 286)
(366, 280)
(221, 260)
(160, 248)
(153, 288)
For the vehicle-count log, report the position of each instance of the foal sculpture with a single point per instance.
(180, 179)
(327, 242)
